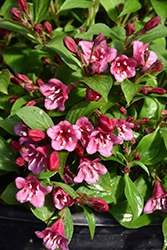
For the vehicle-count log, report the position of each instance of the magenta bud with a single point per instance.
(54, 161)
(13, 99)
(22, 5)
(79, 150)
(147, 89)
(39, 82)
(16, 14)
(70, 44)
(48, 28)
(4, 32)
(92, 95)
(38, 28)
(23, 78)
(29, 86)
(68, 176)
(136, 156)
(136, 126)
(133, 140)
(130, 28)
(94, 68)
(106, 123)
(46, 60)
(130, 119)
(30, 103)
(159, 91)
(143, 120)
(19, 161)
(126, 170)
(15, 80)
(99, 39)
(97, 204)
(36, 134)
(78, 200)
(15, 145)
(152, 23)
(123, 110)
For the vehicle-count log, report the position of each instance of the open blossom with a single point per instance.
(90, 170)
(22, 129)
(86, 129)
(36, 156)
(139, 50)
(61, 198)
(56, 94)
(123, 67)
(158, 201)
(102, 142)
(124, 129)
(54, 236)
(68, 176)
(64, 136)
(31, 190)
(102, 55)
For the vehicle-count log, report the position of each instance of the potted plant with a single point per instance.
(83, 113)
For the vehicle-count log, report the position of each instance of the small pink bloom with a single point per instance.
(32, 191)
(102, 142)
(102, 55)
(64, 136)
(130, 28)
(123, 67)
(92, 95)
(61, 198)
(56, 94)
(36, 157)
(54, 236)
(90, 170)
(124, 129)
(68, 176)
(158, 201)
(21, 129)
(19, 161)
(86, 129)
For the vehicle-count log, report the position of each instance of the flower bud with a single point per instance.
(22, 5)
(16, 14)
(30, 103)
(4, 32)
(136, 156)
(54, 162)
(19, 161)
(46, 60)
(23, 78)
(106, 123)
(92, 95)
(29, 86)
(130, 119)
(159, 91)
(36, 134)
(130, 28)
(148, 131)
(94, 68)
(48, 28)
(143, 120)
(78, 200)
(147, 89)
(136, 126)
(38, 28)
(79, 150)
(126, 170)
(99, 39)
(152, 23)
(13, 99)
(133, 141)
(15, 80)
(15, 145)
(97, 204)
(70, 44)
(39, 82)
(164, 112)
(123, 110)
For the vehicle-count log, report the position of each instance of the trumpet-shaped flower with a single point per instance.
(61, 198)
(31, 190)
(54, 236)
(124, 129)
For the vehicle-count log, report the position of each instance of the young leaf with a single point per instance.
(160, 9)
(62, 159)
(4, 81)
(91, 220)
(40, 8)
(72, 4)
(134, 198)
(68, 224)
(9, 193)
(164, 229)
(35, 117)
(130, 6)
(157, 32)
(9, 123)
(135, 163)
(100, 83)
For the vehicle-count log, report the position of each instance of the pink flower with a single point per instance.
(36, 157)
(21, 129)
(64, 136)
(86, 129)
(61, 198)
(54, 236)
(97, 204)
(158, 201)
(54, 162)
(32, 191)
(102, 55)
(92, 95)
(56, 94)
(139, 50)
(123, 67)
(68, 176)
(102, 142)
(90, 170)
(124, 129)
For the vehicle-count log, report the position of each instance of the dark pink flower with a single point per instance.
(32, 191)
(61, 198)
(90, 170)
(102, 142)
(130, 28)
(92, 95)
(54, 236)
(123, 67)
(70, 44)
(19, 161)
(158, 201)
(124, 129)
(86, 129)
(68, 176)
(36, 134)
(16, 14)
(106, 124)
(152, 23)
(36, 157)
(64, 136)
(103, 54)
(21, 129)
(56, 94)
(54, 162)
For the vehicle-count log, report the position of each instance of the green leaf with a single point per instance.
(62, 159)
(72, 4)
(134, 198)
(149, 108)
(130, 6)
(68, 224)
(9, 123)
(46, 175)
(160, 9)
(7, 156)
(66, 188)
(100, 83)
(35, 117)
(130, 90)
(9, 193)
(164, 229)
(91, 220)
(135, 163)
(152, 148)
(157, 32)
(19, 103)
(40, 8)
(44, 213)
(163, 132)
(57, 46)
(4, 81)
(161, 53)
(111, 7)
(83, 108)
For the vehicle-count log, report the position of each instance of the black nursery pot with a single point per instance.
(17, 227)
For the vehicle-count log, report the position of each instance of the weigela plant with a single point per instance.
(83, 115)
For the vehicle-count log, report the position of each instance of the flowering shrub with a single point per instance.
(83, 116)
